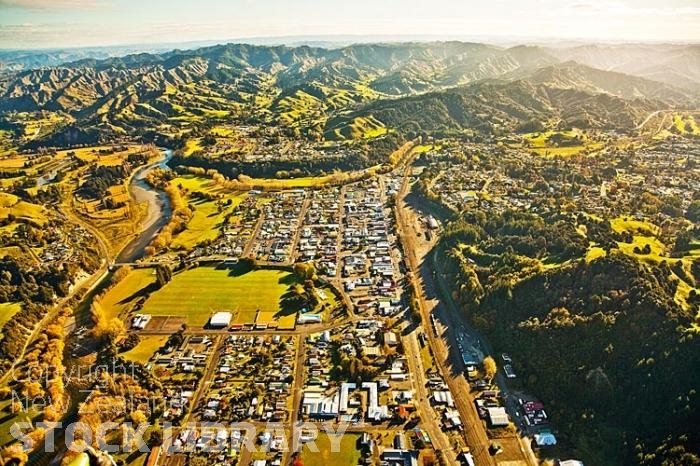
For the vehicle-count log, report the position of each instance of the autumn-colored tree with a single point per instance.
(401, 153)
(32, 389)
(13, 456)
(37, 436)
(105, 327)
(115, 328)
(305, 270)
(155, 438)
(121, 274)
(138, 417)
(490, 367)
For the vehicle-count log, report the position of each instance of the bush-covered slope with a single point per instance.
(602, 343)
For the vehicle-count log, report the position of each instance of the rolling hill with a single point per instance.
(497, 107)
(355, 91)
(675, 65)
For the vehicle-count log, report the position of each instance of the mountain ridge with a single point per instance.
(317, 90)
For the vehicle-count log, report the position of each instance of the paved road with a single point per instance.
(456, 320)
(206, 379)
(248, 249)
(474, 433)
(429, 418)
(297, 390)
(179, 459)
(337, 281)
(449, 320)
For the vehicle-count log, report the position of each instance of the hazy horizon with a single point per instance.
(343, 40)
(52, 24)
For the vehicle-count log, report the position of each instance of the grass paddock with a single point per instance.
(349, 454)
(200, 292)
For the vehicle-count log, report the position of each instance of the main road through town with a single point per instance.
(448, 363)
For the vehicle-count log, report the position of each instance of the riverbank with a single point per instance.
(158, 210)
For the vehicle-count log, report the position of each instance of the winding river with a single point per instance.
(159, 210)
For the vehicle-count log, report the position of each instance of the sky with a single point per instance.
(72, 23)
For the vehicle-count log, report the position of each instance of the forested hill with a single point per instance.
(502, 107)
(329, 92)
(603, 343)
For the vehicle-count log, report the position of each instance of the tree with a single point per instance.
(297, 296)
(163, 275)
(490, 367)
(198, 461)
(13, 456)
(113, 329)
(693, 211)
(138, 417)
(305, 270)
(249, 263)
(208, 140)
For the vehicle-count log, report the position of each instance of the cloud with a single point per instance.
(55, 4)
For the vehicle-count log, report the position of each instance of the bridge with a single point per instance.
(116, 265)
(201, 260)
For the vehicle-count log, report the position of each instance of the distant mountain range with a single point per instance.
(355, 90)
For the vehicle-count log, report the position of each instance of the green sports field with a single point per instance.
(200, 292)
(348, 455)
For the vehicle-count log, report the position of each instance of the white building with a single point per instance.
(220, 319)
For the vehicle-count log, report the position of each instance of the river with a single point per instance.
(159, 210)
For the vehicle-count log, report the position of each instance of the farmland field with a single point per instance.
(197, 183)
(12, 163)
(621, 224)
(200, 292)
(109, 158)
(204, 225)
(145, 349)
(12, 205)
(207, 220)
(192, 146)
(222, 131)
(594, 253)
(565, 151)
(559, 143)
(638, 241)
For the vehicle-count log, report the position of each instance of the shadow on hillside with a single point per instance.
(427, 207)
(444, 314)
